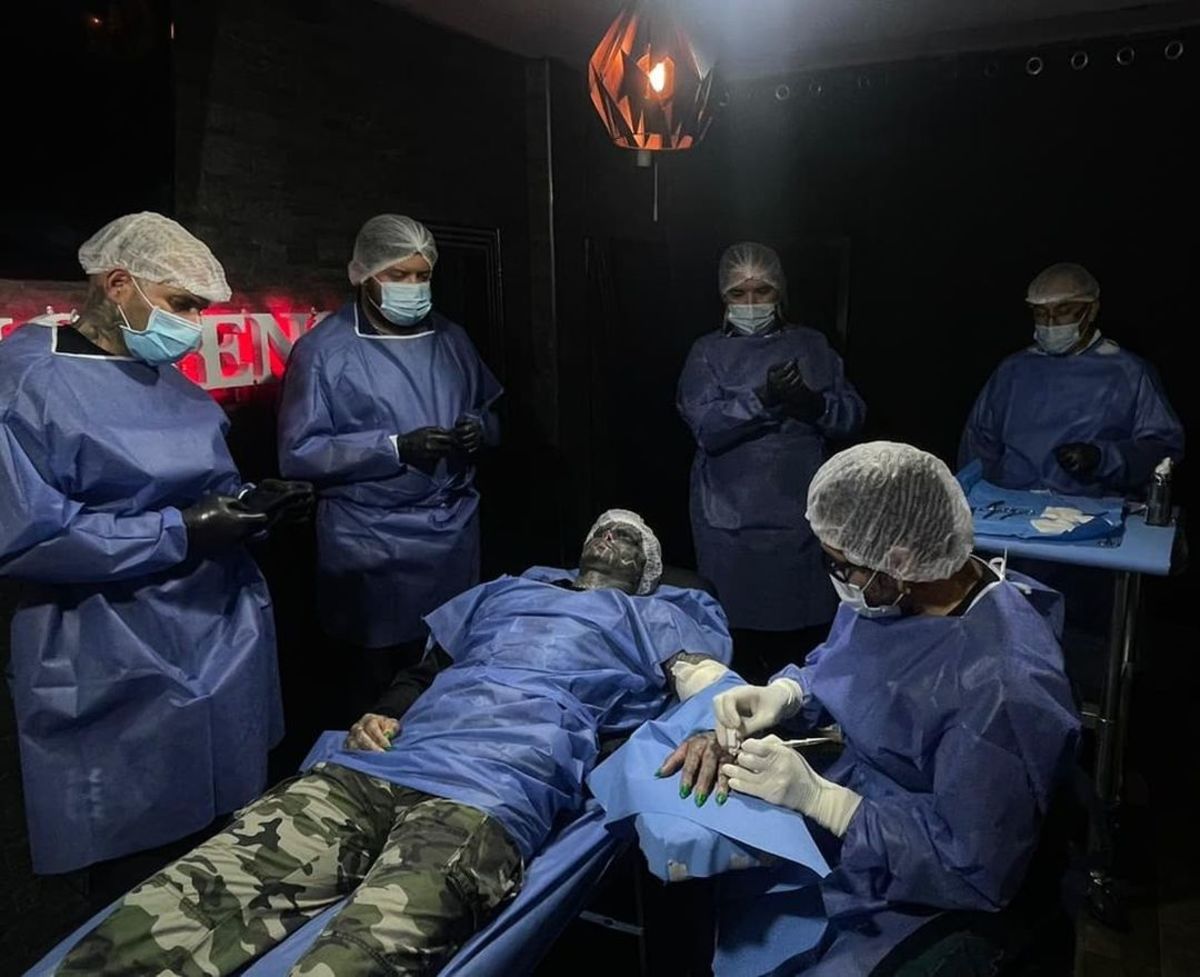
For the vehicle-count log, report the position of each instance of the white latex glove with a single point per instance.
(693, 677)
(750, 709)
(777, 774)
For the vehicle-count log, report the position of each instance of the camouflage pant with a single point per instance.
(422, 874)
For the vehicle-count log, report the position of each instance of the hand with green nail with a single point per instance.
(373, 733)
(700, 757)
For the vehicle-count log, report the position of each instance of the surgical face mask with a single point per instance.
(855, 597)
(1057, 340)
(167, 337)
(405, 303)
(750, 320)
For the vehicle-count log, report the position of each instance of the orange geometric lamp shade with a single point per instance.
(650, 86)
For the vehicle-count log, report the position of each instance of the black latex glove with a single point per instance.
(782, 379)
(1078, 458)
(217, 522)
(425, 444)
(282, 501)
(804, 403)
(469, 432)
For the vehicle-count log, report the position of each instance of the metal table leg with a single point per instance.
(1112, 723)
(1129, 652)
(1113, 719)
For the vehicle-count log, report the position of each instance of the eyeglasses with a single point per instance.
(840, 571)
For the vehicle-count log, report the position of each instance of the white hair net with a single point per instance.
(1064, 282)
(386, 239)
(156, 249)
(747, 260)
(653, 570)
(893, 508)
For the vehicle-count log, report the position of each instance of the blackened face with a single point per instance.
(615, 550)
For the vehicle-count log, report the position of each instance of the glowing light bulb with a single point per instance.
(658, 76)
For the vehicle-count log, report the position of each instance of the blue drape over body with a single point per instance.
(540, 673)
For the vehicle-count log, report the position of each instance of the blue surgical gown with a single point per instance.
(540, 672)
(1104, 396)
(393, 541)
(144, 679)
(750, 475)
(957, 730)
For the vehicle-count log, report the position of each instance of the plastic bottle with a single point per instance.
(1158, 505)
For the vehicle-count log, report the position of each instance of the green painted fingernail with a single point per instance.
(658, 773)
(722, 798)
(700, 799)
(684, 791)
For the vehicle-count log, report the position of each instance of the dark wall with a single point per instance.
(297, 121)
(951, 182)
(88, 120)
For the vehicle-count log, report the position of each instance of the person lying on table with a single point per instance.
(428, 837)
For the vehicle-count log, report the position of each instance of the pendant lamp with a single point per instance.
(649, 84)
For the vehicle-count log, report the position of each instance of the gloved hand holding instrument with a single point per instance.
(772, 771)
(748, 709)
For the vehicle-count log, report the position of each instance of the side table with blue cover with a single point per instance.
(1112, 538)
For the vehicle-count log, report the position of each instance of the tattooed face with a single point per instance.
(615, 550)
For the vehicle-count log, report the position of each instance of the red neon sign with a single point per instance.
(240, 348)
